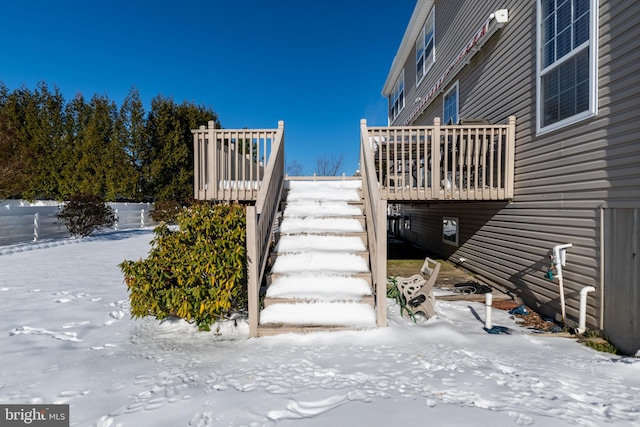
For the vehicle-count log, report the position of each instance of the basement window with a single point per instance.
(407, 223)
(450, 230)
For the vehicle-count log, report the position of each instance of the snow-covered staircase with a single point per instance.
(320, 277)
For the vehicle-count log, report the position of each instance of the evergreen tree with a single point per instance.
(77, 113)
(4, 95)
(95, 166)
(44, 128)
(15, 157)
(170, 170)
(62, 149)
(12, 135)
(132, 140)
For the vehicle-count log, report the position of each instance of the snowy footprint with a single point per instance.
(74, 324)
(299, 410)
(102, 347)
(27, 330)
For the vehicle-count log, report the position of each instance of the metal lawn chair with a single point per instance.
(418, 289)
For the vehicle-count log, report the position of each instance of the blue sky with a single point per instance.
(319, 66)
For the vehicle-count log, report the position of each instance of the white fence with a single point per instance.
(21, 221)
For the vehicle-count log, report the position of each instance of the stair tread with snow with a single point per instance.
(320, 314)
(320, 277)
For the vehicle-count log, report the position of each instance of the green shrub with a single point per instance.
(597, 341)
(85, 213)
(196, 272)
(166, 211)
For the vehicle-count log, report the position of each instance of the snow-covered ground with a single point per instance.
(67, 337)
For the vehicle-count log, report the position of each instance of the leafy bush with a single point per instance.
(85, 213)
(197, 271)
(166, 211)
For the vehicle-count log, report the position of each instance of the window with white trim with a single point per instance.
(425, 47)
(567, 62)
(450, 230)
(450, 105)
(397, 97)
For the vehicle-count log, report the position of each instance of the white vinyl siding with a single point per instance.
(425, 48)
(567, 71)
(397, 98)
(567, 177)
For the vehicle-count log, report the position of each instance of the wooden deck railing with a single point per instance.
(229, 164)
(376, 216)
(260, 221)
(452, 162)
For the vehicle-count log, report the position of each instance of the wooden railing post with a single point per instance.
(376, 217)
(253, 275)
(435, 159)
(510, 156)
(196, 165)
(381, 255)
(211, 175)
(260, 220)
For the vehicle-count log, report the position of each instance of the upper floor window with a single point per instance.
(425, 47)
(567, 62)
(397, 97)
(450, 106)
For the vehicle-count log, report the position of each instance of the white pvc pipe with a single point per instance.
(583, 308)
(559, 256)
(487, 315)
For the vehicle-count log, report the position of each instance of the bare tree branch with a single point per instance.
(294, 168)
(331, 166)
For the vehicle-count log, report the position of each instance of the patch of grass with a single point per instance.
(403, 267)
(597, 341)
(409, 267)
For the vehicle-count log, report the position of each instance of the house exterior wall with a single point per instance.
(567, 181)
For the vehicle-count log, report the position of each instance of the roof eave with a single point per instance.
(418, 18)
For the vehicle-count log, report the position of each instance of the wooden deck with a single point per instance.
(409, 163)
(453, 162)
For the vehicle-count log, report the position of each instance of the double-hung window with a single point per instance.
(567, 62)
(425, 47)
(397, 97)
(450, 106)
